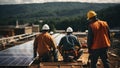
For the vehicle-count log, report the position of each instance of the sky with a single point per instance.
(43, 1)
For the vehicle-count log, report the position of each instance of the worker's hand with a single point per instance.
(35, 54)
(58, 47)
(77, 48)
(89, 51)
(55, 50)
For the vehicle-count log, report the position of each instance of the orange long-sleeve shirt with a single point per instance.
(44, 42)
(100, 32)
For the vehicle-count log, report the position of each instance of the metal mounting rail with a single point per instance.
(12, 39)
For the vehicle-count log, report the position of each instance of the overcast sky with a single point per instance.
(43, 1)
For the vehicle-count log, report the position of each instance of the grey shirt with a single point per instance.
(68, 42)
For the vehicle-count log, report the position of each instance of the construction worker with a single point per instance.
(98, 39)
(45, 46)
(69, 47)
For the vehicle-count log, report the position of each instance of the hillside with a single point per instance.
(59, 15)
(111, 15)
(27, 12)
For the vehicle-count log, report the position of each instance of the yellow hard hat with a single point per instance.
(91, 14)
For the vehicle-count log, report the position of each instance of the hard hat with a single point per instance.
(91, 14)
(69, 29)
(51, 32)
(45, 27)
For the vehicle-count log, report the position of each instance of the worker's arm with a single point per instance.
(109, 33)
(89, 39)
(53, 44)
(107, 27)
(35, 48)
(60, 46)
(77, 43)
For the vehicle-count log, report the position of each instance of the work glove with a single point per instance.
(35, 54)
(89, 50)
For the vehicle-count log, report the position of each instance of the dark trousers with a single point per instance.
(70, 56)
(50, 56)
(102, 53)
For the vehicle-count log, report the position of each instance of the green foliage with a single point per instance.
(111, 15)
(59, 15)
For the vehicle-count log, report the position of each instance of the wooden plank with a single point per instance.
(60, 63)
(48, 67)
(57, 65)
(71, 66)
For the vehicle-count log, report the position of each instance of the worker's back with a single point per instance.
(101, 37)
(45, 42)
(69, 41)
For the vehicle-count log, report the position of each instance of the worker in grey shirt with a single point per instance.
(70, 47)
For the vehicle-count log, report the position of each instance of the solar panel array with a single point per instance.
(21, 55)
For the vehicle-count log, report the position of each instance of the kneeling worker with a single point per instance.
(45, 46)
(70, 47)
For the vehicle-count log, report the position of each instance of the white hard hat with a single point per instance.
(45, 27)
(51, 32)
(69, 29)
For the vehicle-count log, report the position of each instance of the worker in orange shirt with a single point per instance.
(45, 46)
(98, 39)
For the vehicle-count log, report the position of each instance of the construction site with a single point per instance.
(19, 53)
(52, 33)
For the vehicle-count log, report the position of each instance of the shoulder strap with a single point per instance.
(69, 41)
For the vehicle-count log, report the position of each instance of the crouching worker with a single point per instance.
(44, 45)
(70, 47)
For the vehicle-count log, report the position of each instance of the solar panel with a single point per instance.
(21, 55)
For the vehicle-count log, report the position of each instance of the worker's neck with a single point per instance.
(44, 31)
(69, 33)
